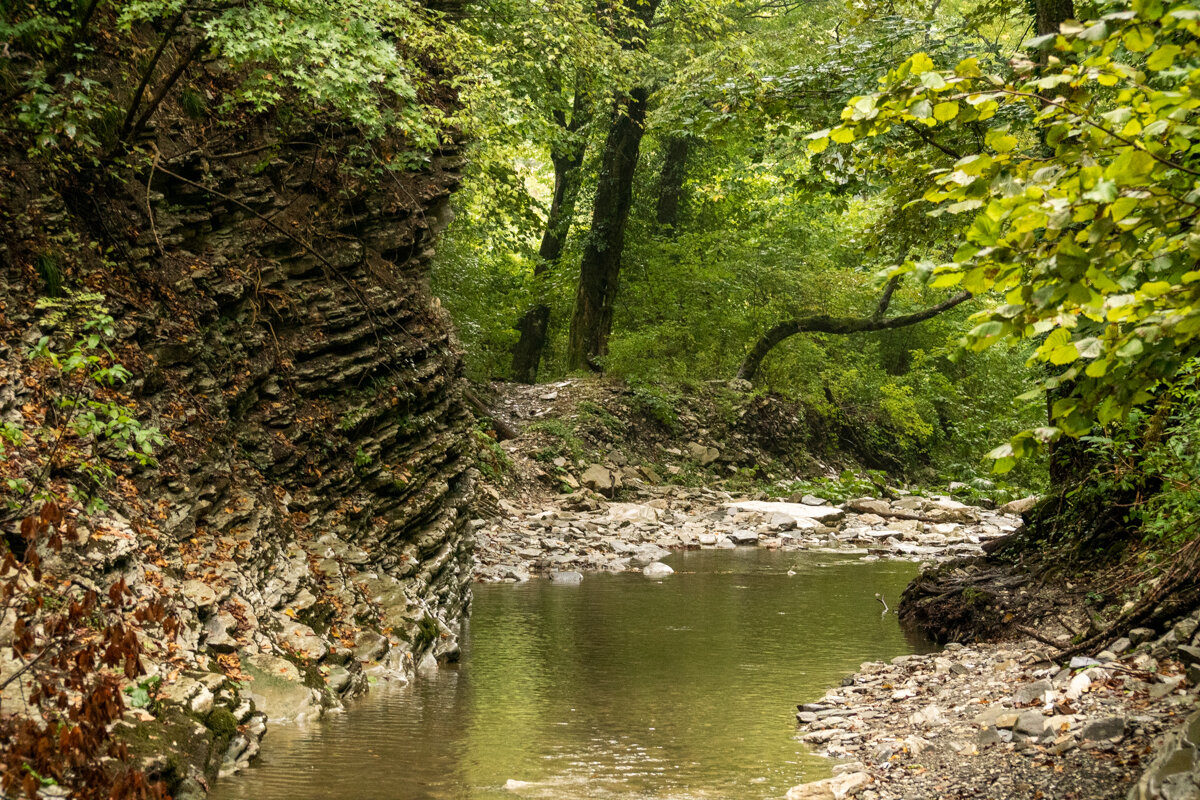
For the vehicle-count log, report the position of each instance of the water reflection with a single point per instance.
(618, 687)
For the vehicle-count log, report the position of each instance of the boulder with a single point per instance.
(278, 690)
(1101, 729)
(702, 454)
(838, 787)
(1018, 507)
(657, 570)
(1032, 692)
(1174, 774)
(301, 638)
(1189, 655)
(198, 594)
(599, 479)
(569, 577)
(633, 512)
(868, 505)
(804, 516)
(1030, 723)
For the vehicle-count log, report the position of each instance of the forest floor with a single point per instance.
(600, 478)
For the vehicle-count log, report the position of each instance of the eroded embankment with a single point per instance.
(306, 517)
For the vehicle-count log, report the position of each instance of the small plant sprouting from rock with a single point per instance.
(490, 457)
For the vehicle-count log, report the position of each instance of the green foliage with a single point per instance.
(846, 486)
(657, 402)
(592, 414)
(1077, 207)
(490, 457)
(1155, 460)
(141, 693)
(565, 443)
(86, 425)
(341, 57)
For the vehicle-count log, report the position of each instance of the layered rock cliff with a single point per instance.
(306, 516)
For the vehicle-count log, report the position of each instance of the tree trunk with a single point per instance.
(670, 182)
(527, 353)
(822, 323)
(1050, 14)
(600, 268)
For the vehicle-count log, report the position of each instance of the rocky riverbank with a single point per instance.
(585, 532)
(1009, 721)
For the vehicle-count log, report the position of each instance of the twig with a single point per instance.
(1034, 634)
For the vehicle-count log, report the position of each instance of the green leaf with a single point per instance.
(1000, 140)
(1130, 349)
(1163, 57)
(933, 80)
(1138, 38)
(1064, 355)
(920, 63)
(944, 112)
(842, 135)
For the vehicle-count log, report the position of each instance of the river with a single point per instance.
(619, 687)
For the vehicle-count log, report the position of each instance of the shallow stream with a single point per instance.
(619, 687)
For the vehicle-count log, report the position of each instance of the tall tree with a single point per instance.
(568, 160)
(670, 181)
(600, 266)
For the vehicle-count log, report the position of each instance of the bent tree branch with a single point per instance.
(823, 323)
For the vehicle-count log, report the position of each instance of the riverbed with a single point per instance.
(619, 687)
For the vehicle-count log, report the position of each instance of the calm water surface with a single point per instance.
(620, 687)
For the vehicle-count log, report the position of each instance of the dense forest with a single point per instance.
(264, 263)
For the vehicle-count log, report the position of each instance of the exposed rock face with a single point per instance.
(274, 310)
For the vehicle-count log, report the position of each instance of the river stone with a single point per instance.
(1109, 728)
(598, 479)
(633, 512)
(657, 570)
(868, 505)
(648, 554)
(744, 537)
(198, 593)
(813, 500)
(1030, 723)
(1032, 692)
(805, 516)
(838, 787)
(277, 690)
(570, 577)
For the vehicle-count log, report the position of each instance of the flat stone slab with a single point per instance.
(806, 516)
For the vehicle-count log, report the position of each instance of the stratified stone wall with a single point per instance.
(308, 513)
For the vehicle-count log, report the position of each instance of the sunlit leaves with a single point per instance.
(1085, 210)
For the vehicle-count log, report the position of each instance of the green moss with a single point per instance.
(427, 633)
(222, 723)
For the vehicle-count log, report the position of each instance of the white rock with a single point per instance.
(838, 787)
(804, 515)
(657, 570)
